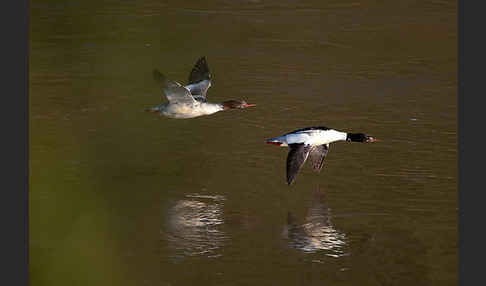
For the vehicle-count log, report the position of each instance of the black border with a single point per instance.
(470, 105)
(15, 143)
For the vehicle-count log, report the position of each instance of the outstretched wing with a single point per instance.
(174, 92)
(298, 153)
(199, 79)
(317, 155)
(199, 72)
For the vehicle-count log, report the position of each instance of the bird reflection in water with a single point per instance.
(317, 232)
(194, 226)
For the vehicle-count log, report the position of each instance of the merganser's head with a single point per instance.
(360, 137)
(231, 104)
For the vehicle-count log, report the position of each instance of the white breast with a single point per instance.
(316, 137)
(210, 108)
(191, 110)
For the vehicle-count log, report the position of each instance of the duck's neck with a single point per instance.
(230, 104)
(354, 137)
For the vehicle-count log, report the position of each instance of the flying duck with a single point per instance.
(312, 142)
(190, 100)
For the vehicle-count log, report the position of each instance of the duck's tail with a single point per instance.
(153, 109)
(276, 141)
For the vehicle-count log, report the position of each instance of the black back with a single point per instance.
(309, 128)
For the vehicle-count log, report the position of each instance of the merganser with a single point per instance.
(313, 142)
(190, 101)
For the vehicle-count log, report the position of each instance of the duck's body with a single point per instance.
(312, 136)
(190, 101)
(312, 142)
(183, 110)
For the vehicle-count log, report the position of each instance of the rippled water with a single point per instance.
(120, 196)
(193, 226)
(317, 231)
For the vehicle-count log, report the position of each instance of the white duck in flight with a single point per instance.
(312, 142)
(190, 100)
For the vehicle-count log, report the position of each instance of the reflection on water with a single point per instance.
(317, 232)
(194, 226)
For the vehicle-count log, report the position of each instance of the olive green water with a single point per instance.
(123, 197)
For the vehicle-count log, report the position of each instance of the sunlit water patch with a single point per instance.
(194, 226)
(316, 233)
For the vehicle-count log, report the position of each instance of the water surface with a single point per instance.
(122, 197)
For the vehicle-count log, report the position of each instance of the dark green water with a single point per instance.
(122, 197)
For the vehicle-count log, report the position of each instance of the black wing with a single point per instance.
(199, 72)
(298, 153)
(199, 80)
(317, 155)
